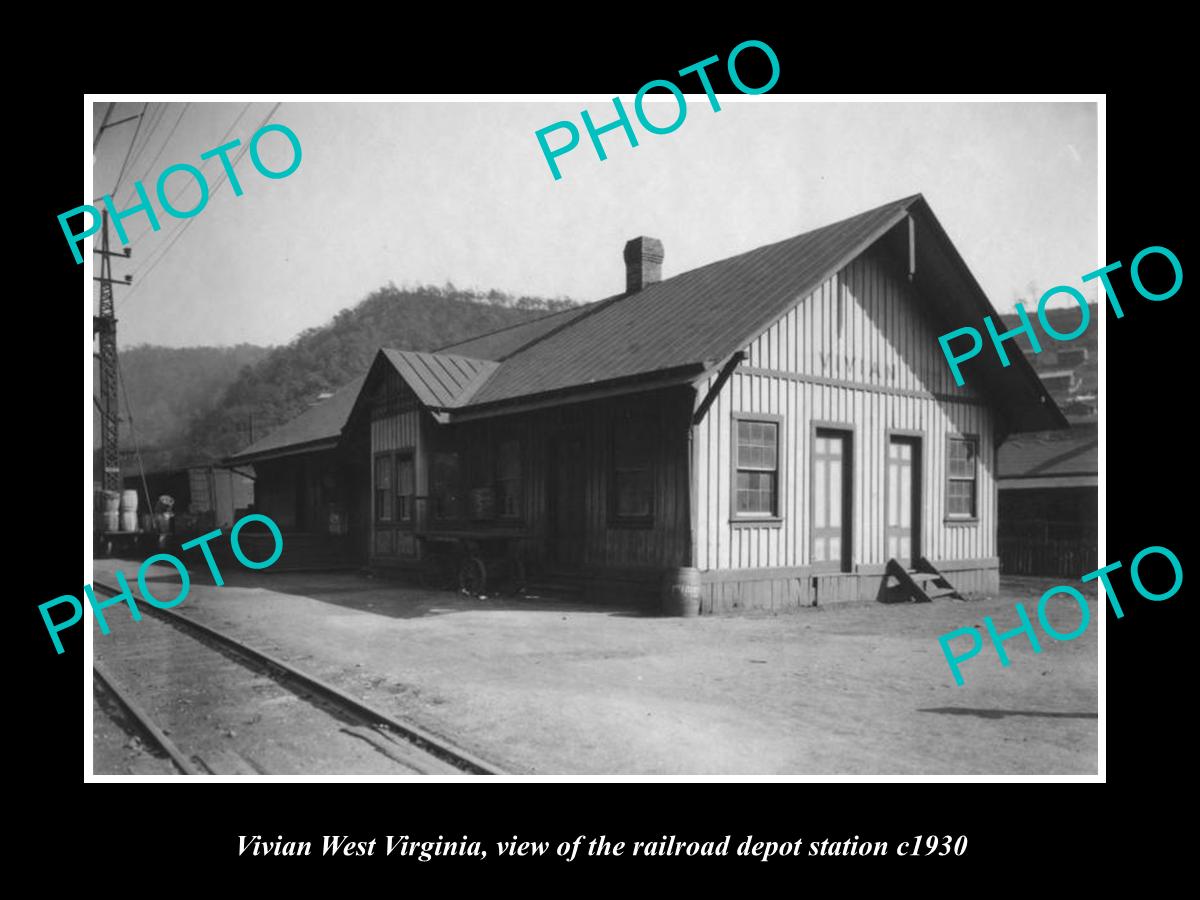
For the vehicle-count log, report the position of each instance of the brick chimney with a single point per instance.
(643, 263)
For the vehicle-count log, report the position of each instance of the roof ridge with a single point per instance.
(901, 202)
(557, 312)
(588, 309)
(598, 305)
(433, 353)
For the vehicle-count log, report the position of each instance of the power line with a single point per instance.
(170, 135)
(203, 166)
(106, 124)
(137, 148)
(153, 261)
(153, 122)
(107, 115)
(143, 275)
(121, 175)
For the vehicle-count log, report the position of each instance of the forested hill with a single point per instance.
(166, 388)
(288, 379)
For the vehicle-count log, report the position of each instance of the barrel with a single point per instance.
(129, 502)
(129, 520)
(681, 592)
(111, 501)
(111, 520)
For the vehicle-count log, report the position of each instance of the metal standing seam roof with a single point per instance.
(441, 380)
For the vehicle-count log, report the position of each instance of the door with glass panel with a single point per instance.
(903, 528)
(830, 500)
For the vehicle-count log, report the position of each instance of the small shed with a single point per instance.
(1048, 483)
(313, 484)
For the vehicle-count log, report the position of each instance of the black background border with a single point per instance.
(1147, 394)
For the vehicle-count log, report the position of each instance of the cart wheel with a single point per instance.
(472, 575)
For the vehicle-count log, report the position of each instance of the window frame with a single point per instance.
(435, 498)
(398, 456)
(972, 518)
(649, 426)
(376, 518)
(775, 518)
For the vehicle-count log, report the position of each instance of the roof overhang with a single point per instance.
(653, 381)
(290, 450)
(1050, 481)
(944, 280)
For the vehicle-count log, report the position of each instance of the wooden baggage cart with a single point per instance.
(473, 561)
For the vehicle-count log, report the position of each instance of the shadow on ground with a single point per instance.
(398, 599)
(1004, 713)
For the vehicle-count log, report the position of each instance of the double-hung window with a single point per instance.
(756, 459)
(962, 468)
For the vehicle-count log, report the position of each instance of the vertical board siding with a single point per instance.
(395, 432)
(395, 424)
(662, 545)
(862, 326)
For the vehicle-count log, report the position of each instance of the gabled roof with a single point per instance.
(440, 380)
(316, 428)
(676, 330)
(694, 320)
(690, 324)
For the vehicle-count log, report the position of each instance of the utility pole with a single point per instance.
(105, 324)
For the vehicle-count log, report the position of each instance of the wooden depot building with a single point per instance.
(781, 422)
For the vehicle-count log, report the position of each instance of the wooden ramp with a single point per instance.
(922, 583)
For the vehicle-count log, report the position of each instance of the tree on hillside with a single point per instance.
(288, 379)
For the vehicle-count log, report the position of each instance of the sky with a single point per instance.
(436, 192)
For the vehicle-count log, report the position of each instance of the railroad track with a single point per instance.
(298, 721)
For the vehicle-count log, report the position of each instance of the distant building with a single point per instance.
(1048, 480)
(1048, 502)
(311, 483)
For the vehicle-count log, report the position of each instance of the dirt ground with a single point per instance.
(546, 686)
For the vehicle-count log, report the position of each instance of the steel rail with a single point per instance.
(143, 719)
(419, 737)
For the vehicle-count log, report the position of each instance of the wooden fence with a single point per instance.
(1047, 548)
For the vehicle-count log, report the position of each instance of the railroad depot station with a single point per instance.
(488, 548)
(773, 430)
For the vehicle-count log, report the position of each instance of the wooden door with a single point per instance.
(567, 521)
(831, 512)
(903, 522)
